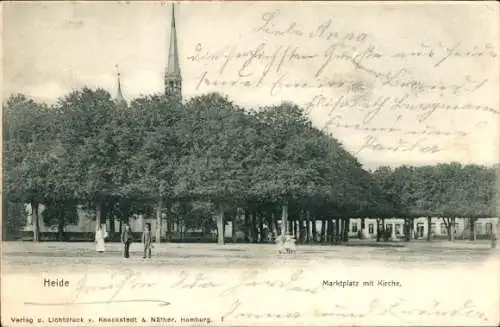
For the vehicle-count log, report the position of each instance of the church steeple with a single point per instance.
(173, 79)
(119, 99)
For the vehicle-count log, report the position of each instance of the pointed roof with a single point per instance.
(119, 95)
(173, 67)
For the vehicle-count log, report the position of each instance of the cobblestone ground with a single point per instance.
(20, 257)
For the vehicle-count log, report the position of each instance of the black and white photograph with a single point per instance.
(250, 163)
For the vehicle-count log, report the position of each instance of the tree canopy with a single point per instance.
(156, 153)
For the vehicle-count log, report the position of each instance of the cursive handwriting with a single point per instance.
(426, 130)
(270, 25)
(188, 281)
(401, 309)
(404, 308)
(253, 67)
(421, 145)
(251, 279)
(113, 287)
(428, 94)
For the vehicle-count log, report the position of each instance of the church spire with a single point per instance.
(119, 99)
(173, 79)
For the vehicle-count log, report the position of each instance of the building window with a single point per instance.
(479, 228)
(433, 228)
(354, 227)
(444, 231)
(489, 228)
(370, 228)
(398, 229)
(388, 227)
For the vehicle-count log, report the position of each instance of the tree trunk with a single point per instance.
(323, 230)
(378, 230)
(234, 224)
(255, 231)
(269, 227)
(250, 227)
(220, 226)
(246, 222)
(345, 235)
(406, 230)
(383, 229)
(472, 222)
(429, 230)
(111, 226)
(453, 228)
(338, 226)
(276, 225)
(98, 213)
(329, 232)
(159, 207)
(447, 224)
(284, 219)
(169, 223)
(180, 226)
(333, 230)
(314, 231)
(261, 227)
(35, 222)
(60, 224)
(272, 225)
(296, 229)
(342, 229)
(302, 228)
(308, 227)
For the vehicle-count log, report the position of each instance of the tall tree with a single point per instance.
(212, 164)
(153, 154)
(28, 140)
(87, 132)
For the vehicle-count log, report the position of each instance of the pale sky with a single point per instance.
(53, 48)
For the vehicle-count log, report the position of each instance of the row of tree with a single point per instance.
(448, 191)
(209, 157)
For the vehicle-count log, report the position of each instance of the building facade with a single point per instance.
(483, 228)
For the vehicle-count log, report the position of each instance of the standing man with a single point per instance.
(146, 240)
(126, 240)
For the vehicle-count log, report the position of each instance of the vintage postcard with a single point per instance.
(250, 164)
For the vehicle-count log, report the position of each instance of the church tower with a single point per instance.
(119, 99)
(172, 78)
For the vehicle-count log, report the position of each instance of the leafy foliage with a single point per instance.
(209, 155)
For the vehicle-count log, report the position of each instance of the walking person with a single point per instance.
(126, 240)
(99, 239)
(146, 240)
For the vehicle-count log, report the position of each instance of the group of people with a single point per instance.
(286, 244)
(126, 239)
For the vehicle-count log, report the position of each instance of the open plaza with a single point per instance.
(27, 257)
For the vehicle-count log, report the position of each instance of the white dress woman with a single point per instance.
(289, 244)
(99, 240)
